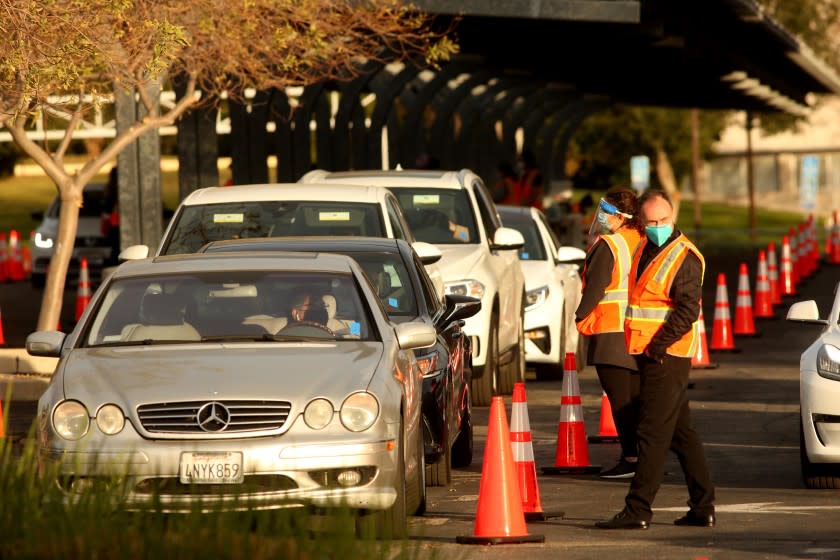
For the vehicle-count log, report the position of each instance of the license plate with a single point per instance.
(212, 468)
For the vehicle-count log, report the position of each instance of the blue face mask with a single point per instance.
(659, 234)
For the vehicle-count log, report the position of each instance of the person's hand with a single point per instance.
(653, 355)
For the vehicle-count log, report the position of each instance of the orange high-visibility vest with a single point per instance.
(650, 304)
(608, 315)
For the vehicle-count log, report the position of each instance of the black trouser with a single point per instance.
(665, 423)
(622, 388)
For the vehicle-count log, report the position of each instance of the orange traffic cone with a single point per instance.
(2, 339)
(15, 259)
(27, 262)
(700, 360)
(830, 223)
(607, 432)
(793, 243)
(773, 274)
(763, 298)
(523, 456)
(2, 422)
(744, 323)
(722, 326)
(572, 456)
(83, 294)
(787, 284)
(499, 518)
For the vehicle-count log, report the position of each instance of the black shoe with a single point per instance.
(693, 519)
(622, 520)
(624, 469)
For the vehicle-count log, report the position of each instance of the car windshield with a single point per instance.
(389, 277)
(230, 306)
(196, 225)
(533, 250)
(440, 216)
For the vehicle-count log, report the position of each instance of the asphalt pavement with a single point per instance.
(746, 411)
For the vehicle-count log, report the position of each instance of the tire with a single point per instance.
(440, 473)
(554, 372)
(391, 523)
(816, 476)
(416, 490)
(462, 449)
(482, 389)
(549, 372)
(514, 370)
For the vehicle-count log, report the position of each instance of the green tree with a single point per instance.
(58, 53)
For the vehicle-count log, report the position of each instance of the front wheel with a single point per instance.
(482, 388)
(440, 473)
(816, 476)
(462, 449)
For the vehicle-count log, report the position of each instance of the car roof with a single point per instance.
(516, 213)
(286, 191)
(395, 178)
(313, 243)
(251, 260)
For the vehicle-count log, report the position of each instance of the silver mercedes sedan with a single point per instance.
(247, 380)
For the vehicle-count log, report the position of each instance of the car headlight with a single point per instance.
(359, 411)
(110, 419)
(536, 297)
(71, 420)
(318, 413)
(42, 241)
(828, 362)
(472, 288)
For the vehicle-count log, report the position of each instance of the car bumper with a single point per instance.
(276, 473)
(820, 417)
(543, 332)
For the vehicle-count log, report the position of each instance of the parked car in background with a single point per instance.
(819, 396)
(407, 294)
(166, 382)
(91, 242)
(283, 210)
(454, 211)
(552, 292)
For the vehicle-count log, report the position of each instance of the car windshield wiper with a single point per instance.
(263, 338)
(144, 342)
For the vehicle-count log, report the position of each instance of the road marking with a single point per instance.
(763, 507)
(752, 446)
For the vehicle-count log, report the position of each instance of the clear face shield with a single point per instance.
(608, 218)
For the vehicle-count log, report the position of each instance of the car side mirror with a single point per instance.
(805, 312)
(507, 239)
(459, 307)
(134, 252)
(45, 343)
(568, 254)
(426, 252)
(415, 335)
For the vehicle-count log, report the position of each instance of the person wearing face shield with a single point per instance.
(613, 238)
(661, 332)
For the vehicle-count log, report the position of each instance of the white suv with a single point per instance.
(454, 211)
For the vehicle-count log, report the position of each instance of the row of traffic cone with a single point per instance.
(508, 492)
(15, 258)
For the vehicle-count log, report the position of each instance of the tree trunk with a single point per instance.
(665, 174)
(68, 221)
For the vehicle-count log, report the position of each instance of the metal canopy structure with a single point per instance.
(724, 54)
(529, 72)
